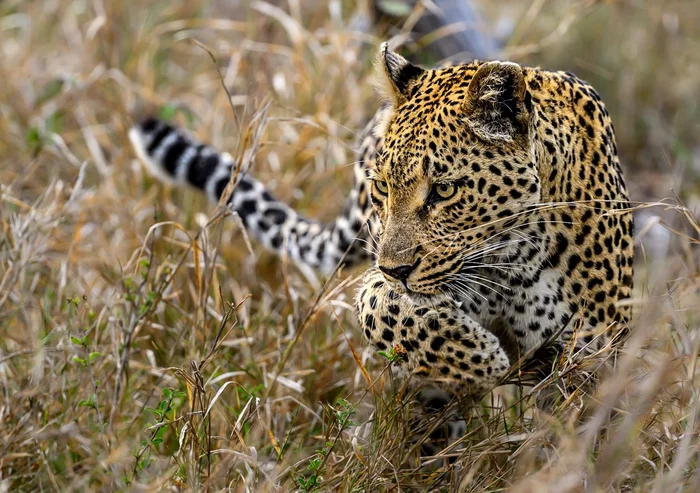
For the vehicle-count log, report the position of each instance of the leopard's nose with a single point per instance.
(399, 273)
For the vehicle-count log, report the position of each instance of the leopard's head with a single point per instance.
(457, 170)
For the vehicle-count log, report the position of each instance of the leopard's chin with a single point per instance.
(438, 288)
(431, 296)
(414, 293)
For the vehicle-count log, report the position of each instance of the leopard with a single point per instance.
(494, 200)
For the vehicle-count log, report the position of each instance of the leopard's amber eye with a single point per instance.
(382, 187)
(445, 190)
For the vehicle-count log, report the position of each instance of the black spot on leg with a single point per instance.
(437, 343)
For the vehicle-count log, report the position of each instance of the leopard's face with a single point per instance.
(446, 194)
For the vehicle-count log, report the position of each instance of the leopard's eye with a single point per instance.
(445, 190)
(382, 187)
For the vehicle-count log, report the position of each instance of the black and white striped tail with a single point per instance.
(172, 156)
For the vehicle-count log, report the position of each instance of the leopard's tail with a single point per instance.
(173, 156)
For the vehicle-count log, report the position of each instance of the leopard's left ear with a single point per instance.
(395, 75)
(498, 105)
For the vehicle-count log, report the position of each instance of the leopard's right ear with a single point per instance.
(395, 75)
(498, 105)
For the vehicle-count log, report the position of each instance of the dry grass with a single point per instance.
(143, 346)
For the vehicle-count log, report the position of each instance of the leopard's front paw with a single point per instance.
(382, 308)
(433, 338)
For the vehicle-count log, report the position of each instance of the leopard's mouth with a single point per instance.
(404, 288)
(419, 297)
(419, 286)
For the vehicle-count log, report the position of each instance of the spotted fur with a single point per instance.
(501, 209)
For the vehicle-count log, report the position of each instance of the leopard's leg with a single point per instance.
(441, 405)
(433, 340)
(438, 341)
(173, 156)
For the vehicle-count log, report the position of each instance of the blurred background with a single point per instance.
(71, 64)
(119, 351)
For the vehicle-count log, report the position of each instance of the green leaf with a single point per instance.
(91, 402)
(391, 355)
(54, 123)
(396, 8)
(80, 360)
(76, 341)
(34, 141)
(93, 356)
(314, 464)
(51, 90)
(167, 112)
